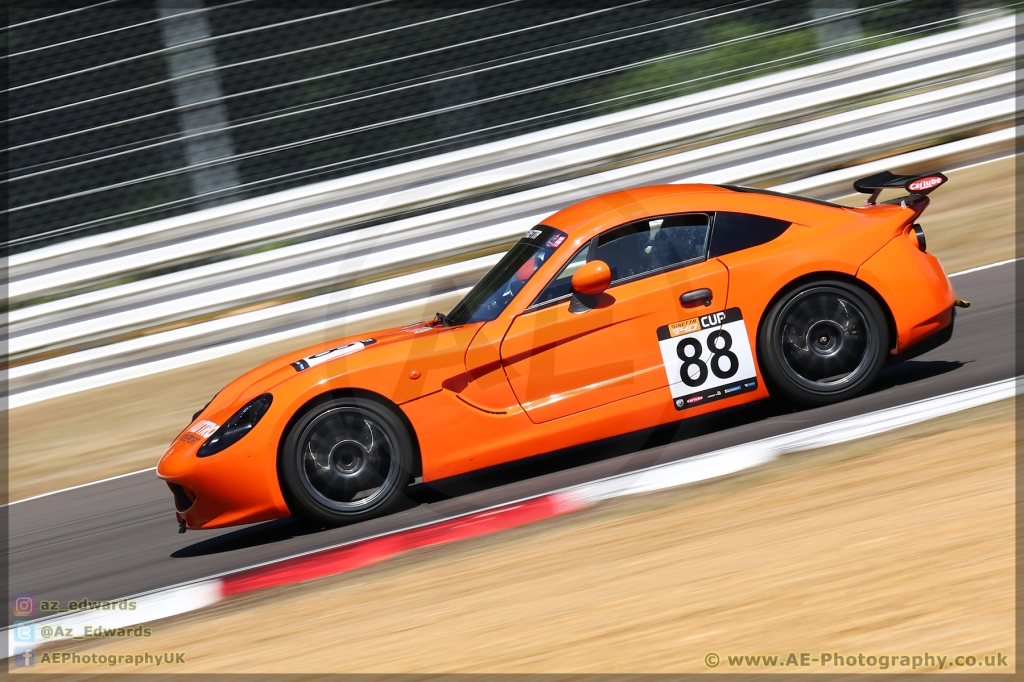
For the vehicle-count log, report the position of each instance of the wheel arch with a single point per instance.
(334, 394)
(890, 320)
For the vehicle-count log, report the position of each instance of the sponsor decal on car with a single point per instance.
(716, 319)
(696, 324)
(922, 184)
(203, 428)
(694, 399)
(684, 327)
(555, 241)
(324, 356)
(532, 234)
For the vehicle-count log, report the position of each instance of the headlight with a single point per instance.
(238, 425)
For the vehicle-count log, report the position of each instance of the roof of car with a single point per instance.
(615, 208)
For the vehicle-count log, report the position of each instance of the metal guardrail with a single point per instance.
(329, 314)
(339, 259)
(534, 157)
(964, 84)
(141, 357)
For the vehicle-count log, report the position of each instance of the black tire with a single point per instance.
(346, 460)
(823, 342)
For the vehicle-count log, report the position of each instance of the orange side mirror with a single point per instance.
(592, 278)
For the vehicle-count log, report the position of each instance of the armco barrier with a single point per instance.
(964, 87)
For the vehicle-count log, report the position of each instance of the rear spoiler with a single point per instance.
(916, 185)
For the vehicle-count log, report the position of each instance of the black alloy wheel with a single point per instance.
(823, 342)
(347, 460)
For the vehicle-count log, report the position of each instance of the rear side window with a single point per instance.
(738, 231)
(652, 244)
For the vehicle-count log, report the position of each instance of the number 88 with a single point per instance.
(689, 351)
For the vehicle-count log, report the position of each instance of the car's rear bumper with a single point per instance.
(927, 343)
(915, 288)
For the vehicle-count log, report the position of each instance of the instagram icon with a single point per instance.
(25, 605)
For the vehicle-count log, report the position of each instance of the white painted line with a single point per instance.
(80, 485)
(197, 594)
(985, 267)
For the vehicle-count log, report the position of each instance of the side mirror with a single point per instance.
(592, 278)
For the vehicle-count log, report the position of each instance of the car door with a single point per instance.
(560, 362)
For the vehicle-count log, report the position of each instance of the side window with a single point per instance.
(653, 244)
(738, 231)
(561, 285)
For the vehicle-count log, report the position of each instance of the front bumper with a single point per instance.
(236, 486)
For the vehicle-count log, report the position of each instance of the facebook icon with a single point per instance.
(24, 657)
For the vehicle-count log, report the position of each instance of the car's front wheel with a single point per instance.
(823, 342)
(346, 460)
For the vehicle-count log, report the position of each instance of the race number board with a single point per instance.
(707, 358)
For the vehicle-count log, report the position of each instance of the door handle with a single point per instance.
(696, 296)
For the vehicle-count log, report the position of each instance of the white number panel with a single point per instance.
(707, 358)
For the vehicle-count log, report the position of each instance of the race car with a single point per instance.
(620, 313)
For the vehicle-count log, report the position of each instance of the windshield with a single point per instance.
(499, 286)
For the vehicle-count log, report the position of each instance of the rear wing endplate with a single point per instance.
(915, 185)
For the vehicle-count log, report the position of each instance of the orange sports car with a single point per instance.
(620, 313)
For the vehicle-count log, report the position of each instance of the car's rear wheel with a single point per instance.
(346, 460)
(823, 342)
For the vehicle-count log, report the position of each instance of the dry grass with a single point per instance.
(127, 426)
(897, 544)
